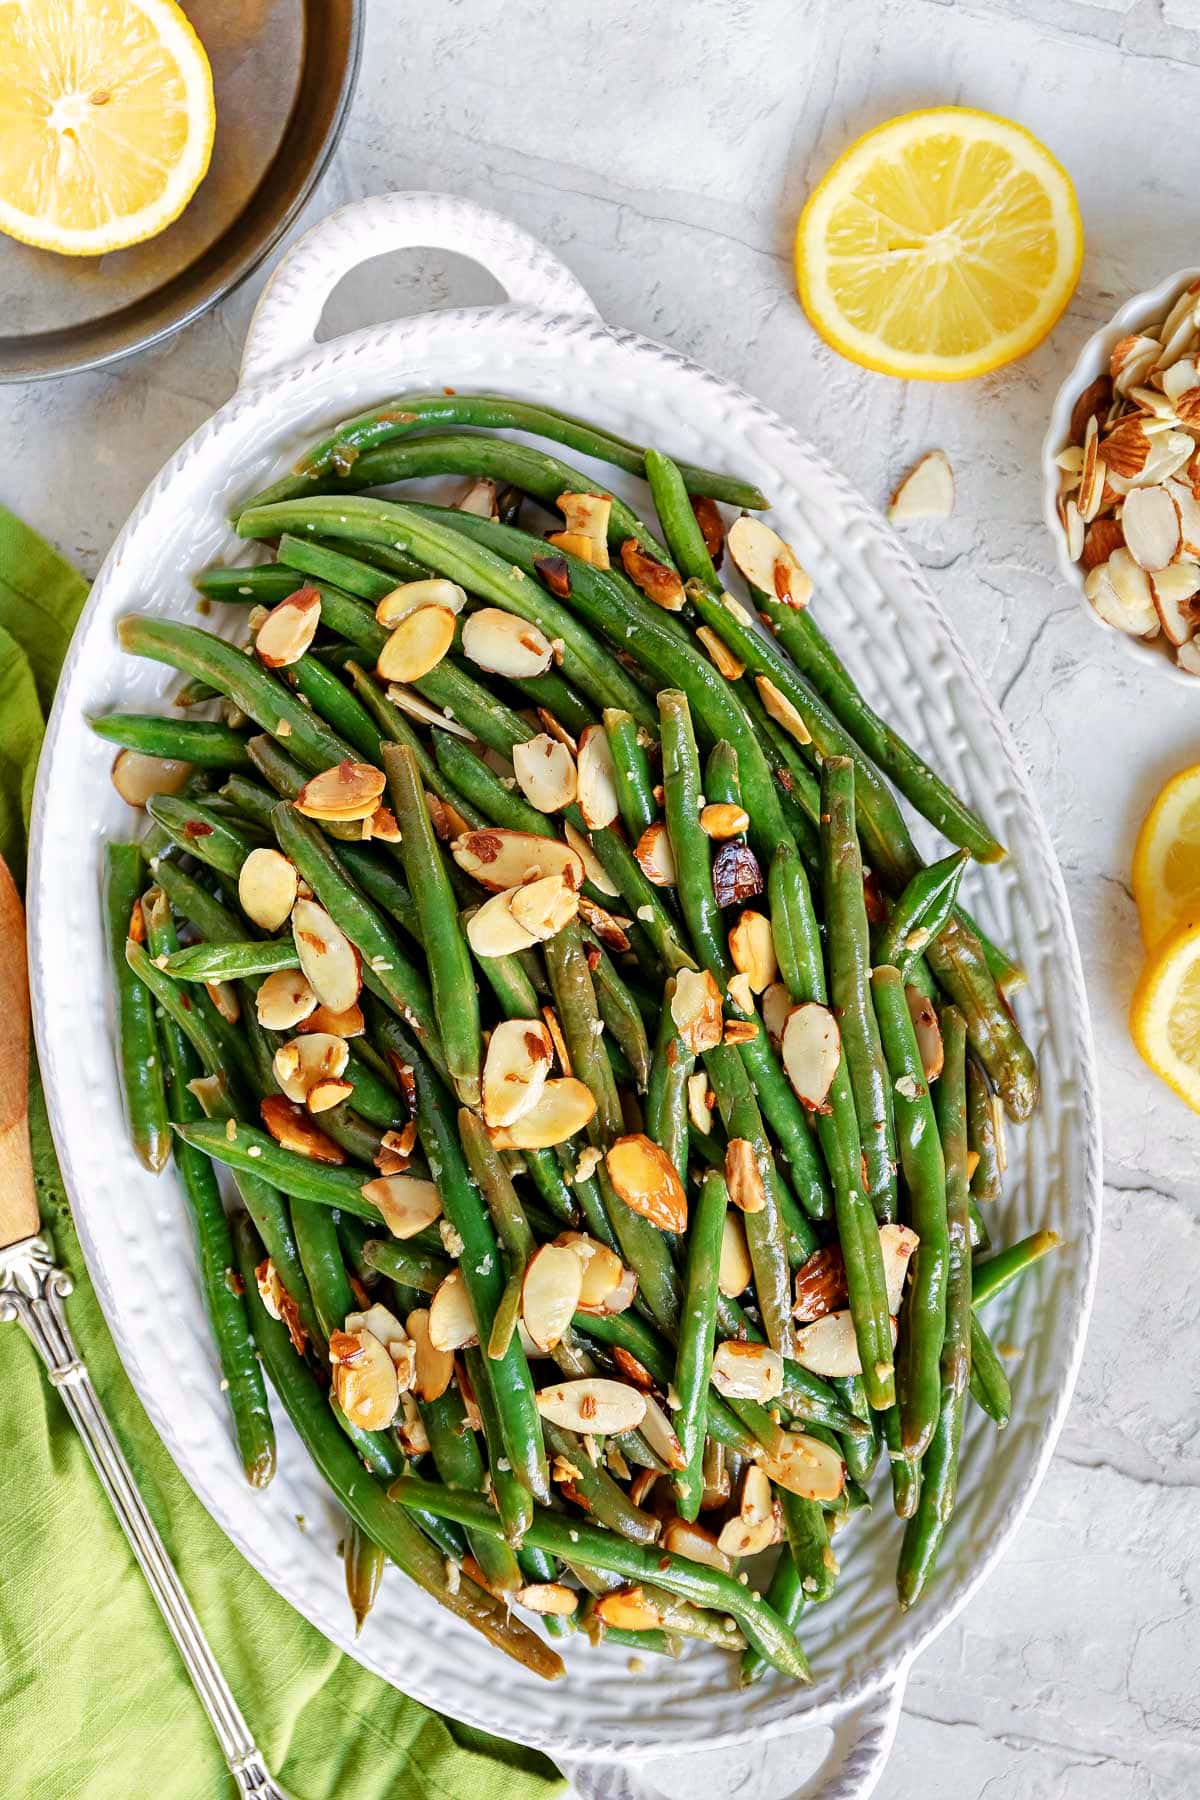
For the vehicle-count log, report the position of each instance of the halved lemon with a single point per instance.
(940, 245)
(1165, 1014)
(106, 121)
(1166, 860)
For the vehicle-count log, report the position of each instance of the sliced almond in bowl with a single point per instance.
(451, 1320)
(518, 1059)
(299, 1065)
(364, 1379)
(747, 1371)
(493, 931)
(697, 1010)
(350, 790)
(896, 1244)
(811, 1049)
(565, 1107)
(408, 1203)
(503, 644)
(267, 887)
(766, 562)
(544, 906)
(284, 1000)
(327, 956)
(1102, 537)
(291, 1126)
(289, 629)
(1125, 607)
(1174, 592)
(434, 1368)
(138, 777)
(594, 1405)
(411, 596)
(647, 1181)
(597, 779)
(1131, 360)
(506, 859)
(1150, 522)
(545, 772)
(417, 644)
(655, 857)
(550, 1293)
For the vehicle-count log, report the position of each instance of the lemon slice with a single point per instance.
(106, 121)
(1165, 1015)
(1166, 860)
(939, 246)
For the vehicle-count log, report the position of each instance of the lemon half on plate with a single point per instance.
(106, 121)
(939, 246)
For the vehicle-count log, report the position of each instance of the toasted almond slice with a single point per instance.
(364, 1379)
(720, 654)
(923, 1014)
(811, 1048)
(776, 1005)
(828, 1346)
(752, 950)
(347, 1024)
(747, 1371)
(419, 709)
(737, 1539)
(766, 562)
(1102, 537)
(544, 906)
(291, 1126)
(681, 1538)
(479, 498)
(411, 596)
(384, 1325)
(434, 1367)
(782, 710)
(224, 997)
(820, 1284)
(289, 629)
(587, 517)
(1101, 591)
(697, 1010)
(410, 1428)
(408, 1203)
(721, 820)
(137, 777)
(1187, 657)
(656, 579)
(493, 931)
(545, 772)
(805, 1466)
(700, 1102)
(620, 1298)
(547, 1597)
(299, 1065)
(647, 1181)
(1188, 508)
(659, 1433)
(627, 1609)
(1091, 480)
(451, 1321)
(574, 543)
(927, 491)
(593, 869)
(503, 644)
(1151, 525)
(1174, 591)
(742, 995)
(597, 781)
(351, 790)
(604, 1274)
(417, 644)
(594, 1405)
(284, 1000)
(327, 956)
(327, 1093)
(267, 886)
(743, 1177)
(515, 1068)
(507, 859)
(655, 856)
(550, 1293)
(896, 1244)
(736, 1270)
(1131, 360)
(565, 1107)
(757, 1503)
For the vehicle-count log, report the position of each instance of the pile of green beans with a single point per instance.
(738, 879)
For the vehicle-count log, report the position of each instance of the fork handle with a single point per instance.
(32, 1291)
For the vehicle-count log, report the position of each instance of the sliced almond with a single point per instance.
(1174, 592)
(289, 629)
(1109, 606)
(327, 956)
(506, 859)
(411, 596)
(574, 543)
(752, 950)
(1150, 522)
(347, 1024)
(284, 1000)
(1168, 454)
(1095, 400)
(741, 994)
(1187, 657)
(364, 1379)
(1101, 538)
(396, 1150)
(1131, 360)
(566, 1106)
(721, 820)
(782, 710)
(747, 1371)
(811, 1049)
(597, 780)
(655, 857)
(1091, 480)
(419, 709)
(743, 1177)
(479, 498)
(545, 772)
(593, 1405)
(627, 1609)
(682, 1538)
(593, 869)
(587, 516)
(604, 1274)
(737, 1539)
(267, 886)
(697, 1010)
(1076, 531)
(776, 1005)
(515, 1068)
(224, 997)
(408, 1203)
(828, 1346)
(805, 1466)
(299, 1065)
(327, 1093)
(1126, 448)
(553, 1598)
(647, 1181)
(291, 1126)
(410, 1428)
(720, 654)
(657, 580)
(1188, 508)
(138, 777)
(896, 1245)
(820, 1284)
(492, 930)
(700, 1102)
(1131, 585)
(434, 1367)
(351, 790)
(385, 1326)
(766, 562)
(451, 1321)
(503, 644)
(923, 1014)
(659, 1433)
(544, 906)
(927, 491)
(550, 1293)
(417, 644)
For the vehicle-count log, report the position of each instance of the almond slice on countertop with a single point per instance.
(138, 777)
(289, 629)
(697, 1009)
(736, 874)
(766, 562)
(829, 1347)
(587, 516)
(492, 930)
(627, 1609)
(811, 1048)
(646, 1179)
(507, 859)
(743, 1177)
(544, 906)
(550, 1293)
(923, 1014)
(719, 653)
(776, 1005)
(681, 1538)
(327, 956)
(434, 1368)
(597, 779)
(655, 857)
(545, 772)
(721, 820)
(896, 1245)
(518, 1059)
(659, 1433)
(350, 790)
(267, 888)
(502, 644)
(284, 1000)
(1174, 592)
(547, 1598)
(304, 1061)
(348, 1023)
(594, 1405)
(1131, 360)
(927, 491)
(1150, 522)
(747, 1371)
(292, 1127)
(564, 1108)
(752, 950)
(805, 1466)
(736, 1271)
(408, 1203)
(820, 1285)
(364, 1379)
(1091, 479)
(657, 580)
(1101, 538)
(700, 1102)
(593, 869)
(327, 1093)
(419, 709)
(417, 644)
(782, 710)
(411, 596)
(451, 1320)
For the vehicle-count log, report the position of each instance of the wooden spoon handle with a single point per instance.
(18, 1204)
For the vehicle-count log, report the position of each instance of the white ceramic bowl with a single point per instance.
(1148, 308)
(550, 345)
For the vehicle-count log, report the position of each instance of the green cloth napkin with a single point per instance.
(94, 1700)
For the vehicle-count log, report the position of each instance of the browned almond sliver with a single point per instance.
(776, 1005)
(896, 1245)
(828, 1346)
(927, 491)
(655, 856)
(736, 874)
(138, 777)
(700, 1102)
(603, 1273)
(597, 780)
(299, 1065)
(408, 1203)
(752, 949)
(492, 930)
(647, 1181)
(351, 790)
(805, 1466)
(289, 629)
(545, 772)
(555, 574)
(347, 1024)
(736, 1538)
(506, 859)
(782, 710)
(682, 1538)
(767, 563)
(811, 1048)
(451, 1321)
(659, 1433)
(697, 1010)
(720, 654)
(821, 1285)
(418, 644)
(224, 997)
(515, 1068)
(722, 820)
(627, 1609)
(434, 1368)
(743, 1176)
(327, 1093)
(736, 1270)
(479, 498)
(503, 644)
(267, 886)
(544, 906)
(747, 1371)
(592, 1405)
(707, 515)
(1150, 521)
(923, 1014)
(553, 1597)
(291, 1126)
(284, 1000)
(593, 868)
(327, 956)
(411, 596)
(587, 517)
(550, 1293)
(656, 579)
(364, 1379)
(611, 933)
(565, 1107)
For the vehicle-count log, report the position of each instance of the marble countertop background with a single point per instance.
(664, 151)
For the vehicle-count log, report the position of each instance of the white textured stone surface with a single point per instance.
(663, 151)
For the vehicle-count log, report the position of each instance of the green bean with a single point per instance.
(925, 1177)
(316, 1229)
(988, 1278)
(621, 1014)
(981, 1237)
(194, 1013)
(262, 584)
(860, 1454)
(989, 1384)
(195, 904)
(765, 1236)
(363, 1562)
(785, 1597)
(920, 913)
(495, 1184)
(399, 730)
(1009, 976)
(694, 1353)
(333, 701)
(204, 745)
(680, 526)
(808, 1542)
(905, 1469)
(801, 789)
(631, 771)
(513, 1500)
(960, 966)
(554, 694)
(299, 1177)
(233, 961)
(606, 1502)
(849, 974)
(407, 1264)
(983, 1136)
(722, 786)
(139, 1057)
(667, 1121)
(202, 833)
(375, 1098)
(648, 1643)
(499, 805)
(457, 1459)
